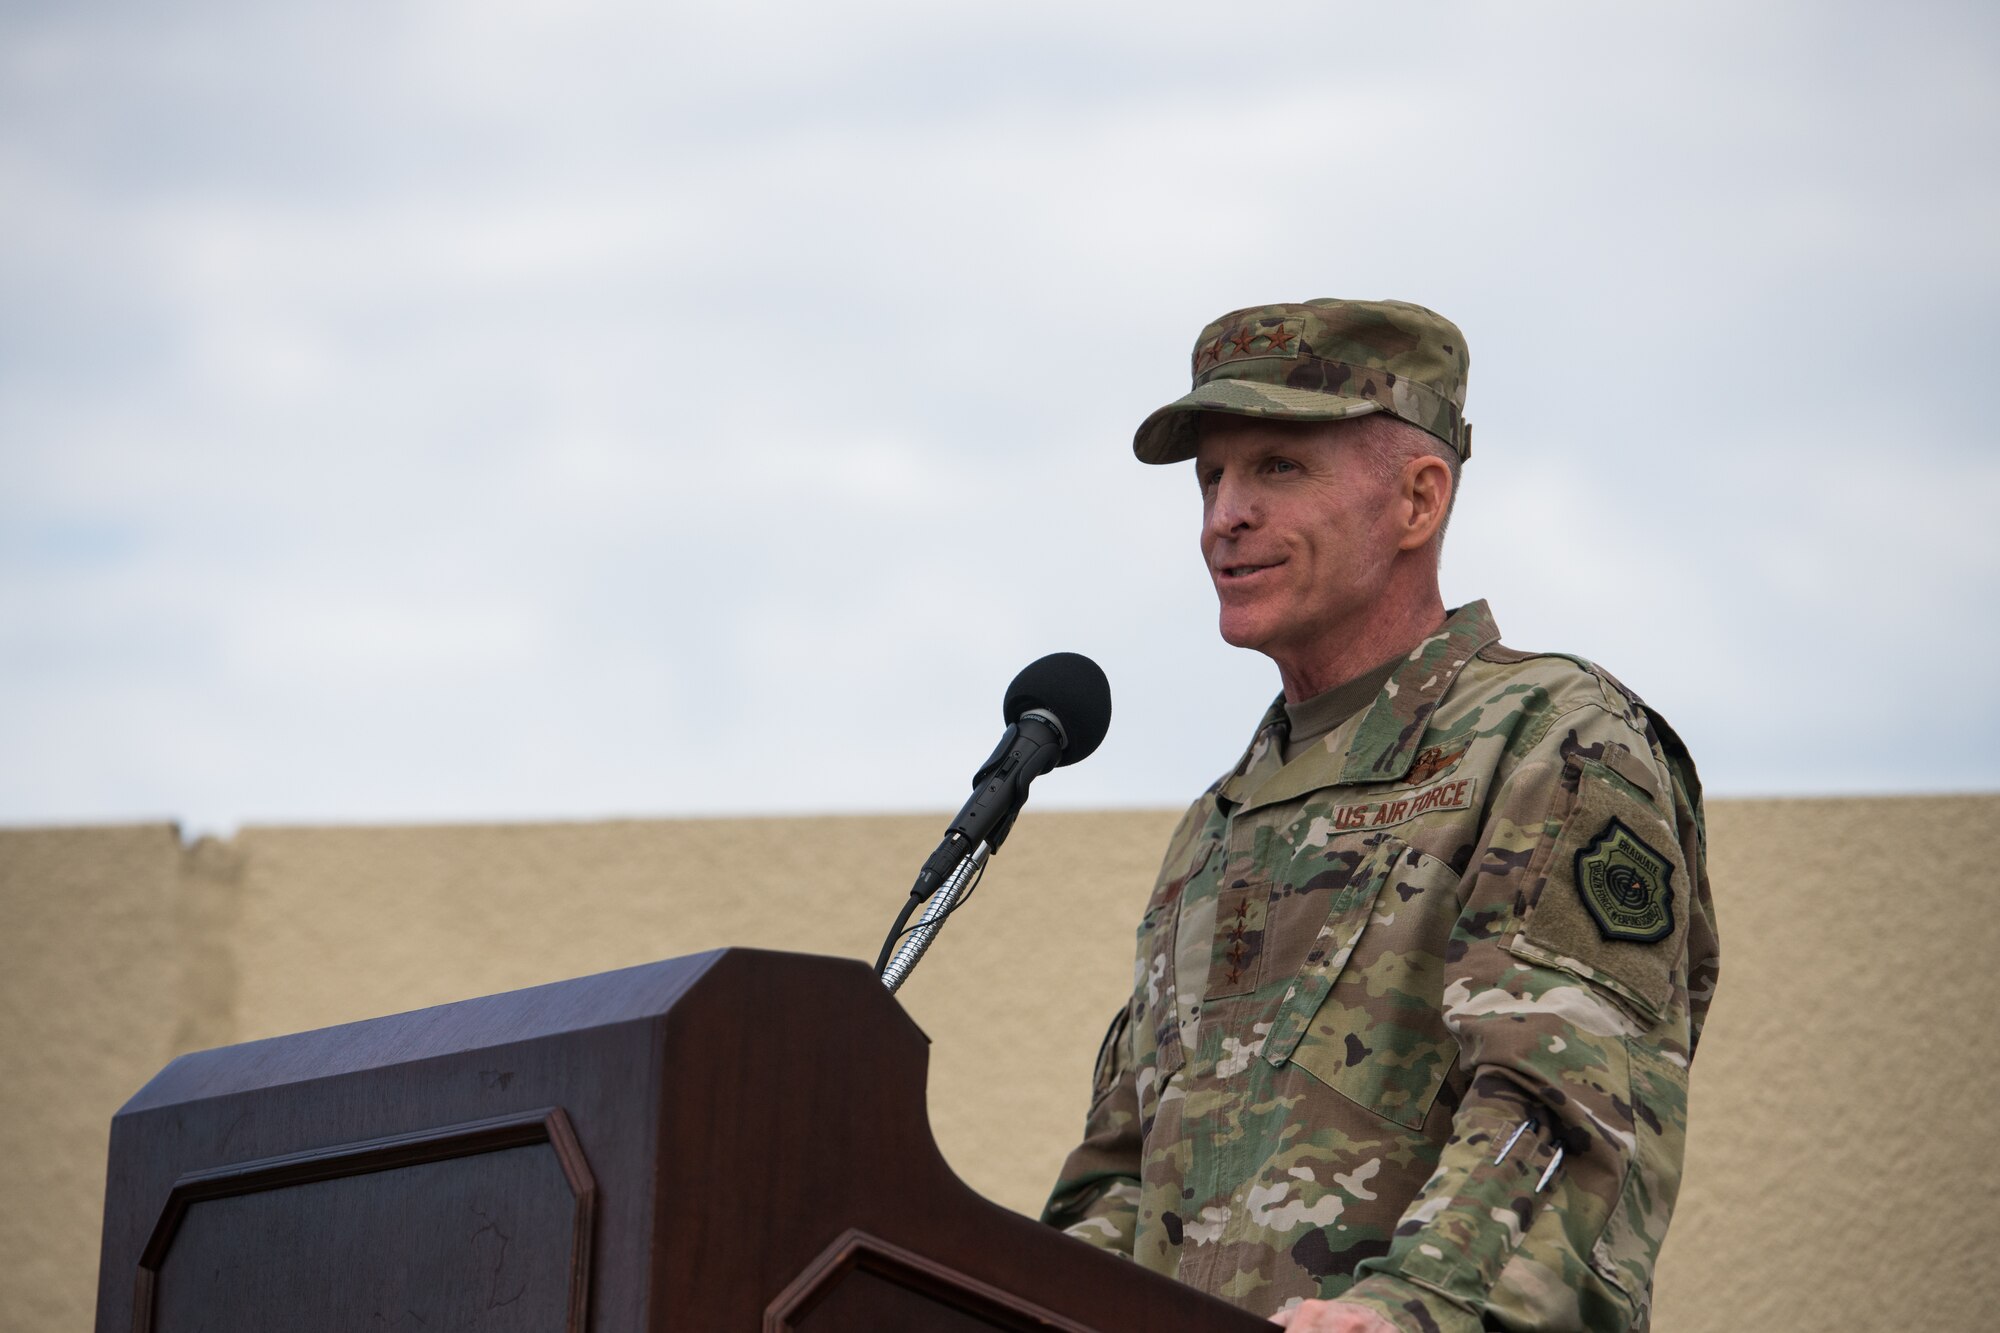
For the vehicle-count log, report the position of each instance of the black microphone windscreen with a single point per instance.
(1072, 687)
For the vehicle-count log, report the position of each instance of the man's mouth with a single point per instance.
(1240, 571)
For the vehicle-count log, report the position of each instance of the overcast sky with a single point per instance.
(440, 411)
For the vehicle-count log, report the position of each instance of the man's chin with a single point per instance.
(1241, 632)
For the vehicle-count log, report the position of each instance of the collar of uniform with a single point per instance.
(1384, 745)
(1261, 762)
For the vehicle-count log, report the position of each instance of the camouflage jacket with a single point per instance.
(1479, 904)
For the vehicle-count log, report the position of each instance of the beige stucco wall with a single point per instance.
(1840, 1170)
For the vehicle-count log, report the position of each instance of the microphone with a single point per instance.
(1057, 711)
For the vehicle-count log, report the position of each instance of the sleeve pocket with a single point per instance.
(1613, 903)
(1111, 1059)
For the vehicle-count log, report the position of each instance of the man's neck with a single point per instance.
(1392, 630)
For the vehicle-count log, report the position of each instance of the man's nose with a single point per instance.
(1230, 507)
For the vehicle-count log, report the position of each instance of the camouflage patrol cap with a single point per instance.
(1321, 360)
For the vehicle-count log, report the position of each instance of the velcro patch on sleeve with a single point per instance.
(1627, 886)
(1613, 904)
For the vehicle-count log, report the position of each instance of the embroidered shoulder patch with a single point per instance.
(1626, 885)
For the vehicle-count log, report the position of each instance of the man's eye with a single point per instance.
(1283, 465)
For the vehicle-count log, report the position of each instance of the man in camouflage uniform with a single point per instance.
(1420, 981)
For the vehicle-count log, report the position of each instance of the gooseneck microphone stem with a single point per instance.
(947, 897)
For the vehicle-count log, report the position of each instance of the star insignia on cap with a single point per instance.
(1281, 338)
(1241, 340)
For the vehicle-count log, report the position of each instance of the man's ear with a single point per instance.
(1423, 501)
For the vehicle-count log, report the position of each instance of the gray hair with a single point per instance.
(1395, 443)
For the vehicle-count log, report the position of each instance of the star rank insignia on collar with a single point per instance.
(1627, 886)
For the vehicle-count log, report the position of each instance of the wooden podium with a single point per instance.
(731, 1141)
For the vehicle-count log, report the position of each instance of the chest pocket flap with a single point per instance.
(1346, 917)
(1367, 1020)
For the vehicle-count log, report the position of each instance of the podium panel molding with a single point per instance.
(856, 1254)
(548, 1125)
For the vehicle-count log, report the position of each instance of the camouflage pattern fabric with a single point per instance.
(1364, 970)
(1321, 360)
